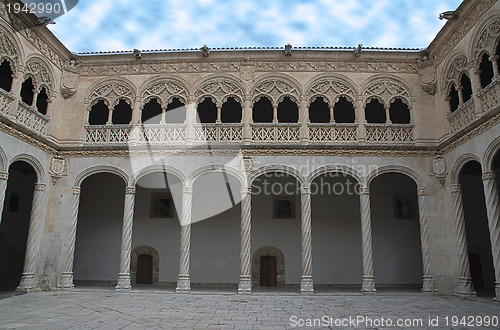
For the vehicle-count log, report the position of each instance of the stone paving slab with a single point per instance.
(103, 309)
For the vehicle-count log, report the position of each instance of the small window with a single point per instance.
(14, 203)
(27, 91)
(404, 206)
(5, 76)
(284, 207)
(162, 205)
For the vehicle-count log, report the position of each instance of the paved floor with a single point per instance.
(102, 308)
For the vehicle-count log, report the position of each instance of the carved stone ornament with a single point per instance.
(247, 71)
(8, 50)
(111, 92)
(219, 89)
(276, 90)
(429, 88)
(386, 90)
(164, 92)
(247, 163)
(488, 38)
(58, 168)
(439, 168)
(332, 89)
(69, 80)
(40, 74)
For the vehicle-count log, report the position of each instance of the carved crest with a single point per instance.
(58, 168)
(439, 168)
(247, 163)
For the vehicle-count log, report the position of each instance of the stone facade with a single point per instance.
(64, 149)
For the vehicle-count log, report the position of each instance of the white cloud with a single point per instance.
(126, 24)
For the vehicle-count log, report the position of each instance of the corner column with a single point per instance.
(464, 278)
(183, 280)
(306, 281)
(67, 274)
(368, 285)
(493, 211)
(245, 284)
(428, 280)
(247, 119)
(4, 176)
(128, 221)
(34, 238)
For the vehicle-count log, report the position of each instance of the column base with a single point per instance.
(183, 284)
(245, 284)
(368, 285)
(497, 292)
(123, 282)
(465, 287)
(67, 281)
(428, 284)
(306, 285)
(27, 282)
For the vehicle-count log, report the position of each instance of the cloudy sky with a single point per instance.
(103, 25)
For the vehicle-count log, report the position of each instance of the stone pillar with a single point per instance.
(136, 112)
(190, 120)
(493, 211)
(219, 113)
(387, 114)
(184, 281)
(275, 113)
(34, 238)
(304, 119)
(464, 279)
(4, 176)
(247, 119)
(361, 120)
(306, 281)
(67, 274)
(428, 280)
(368, 285)
(15, 89)
(496, 70)
(128, 221)
(245, 284)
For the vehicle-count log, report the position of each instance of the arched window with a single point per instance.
(27, 91)
(207, 111)
(453, 98)
(175, 112)
(42, 101)
(319, 111)
(122, 113)
(288, 112)
(375, 112)
(497, 53)
(485, 71)
(399, 112)
(262, 111)
(231, 111)
(343, 111)
(151, 112)
(466, 87)
(99, 113)
(5, 76)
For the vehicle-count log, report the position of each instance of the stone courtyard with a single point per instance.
(100, 308)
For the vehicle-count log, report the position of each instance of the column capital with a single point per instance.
(76, 190)
(486, 176)
(246, 190)
(187, 190)
(305, 190)
(130, 190)
(421, 191)
(40, 186)
(456, 188)
(364, 190)
(4, 176)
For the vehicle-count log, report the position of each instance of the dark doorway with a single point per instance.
(145, 269)
(475, 271)
(14, 226)
(268, 271)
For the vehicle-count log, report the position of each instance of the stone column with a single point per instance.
(4, 176)
(136, 112)
(245, 284)
(304, 119)
(190, 120)
(387, 114)
(184, 281)
(67, 274)
(247, 119)
(464, 279)
(15, 89)
(306, 281)
(368, 285)
(275, 113)
(428, 280)
(219, 113)
(361, 120)
(34, 237)
(496, 69)
(128, 221)
(493, 211)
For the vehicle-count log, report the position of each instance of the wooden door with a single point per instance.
(268, 271)
(144, 269)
